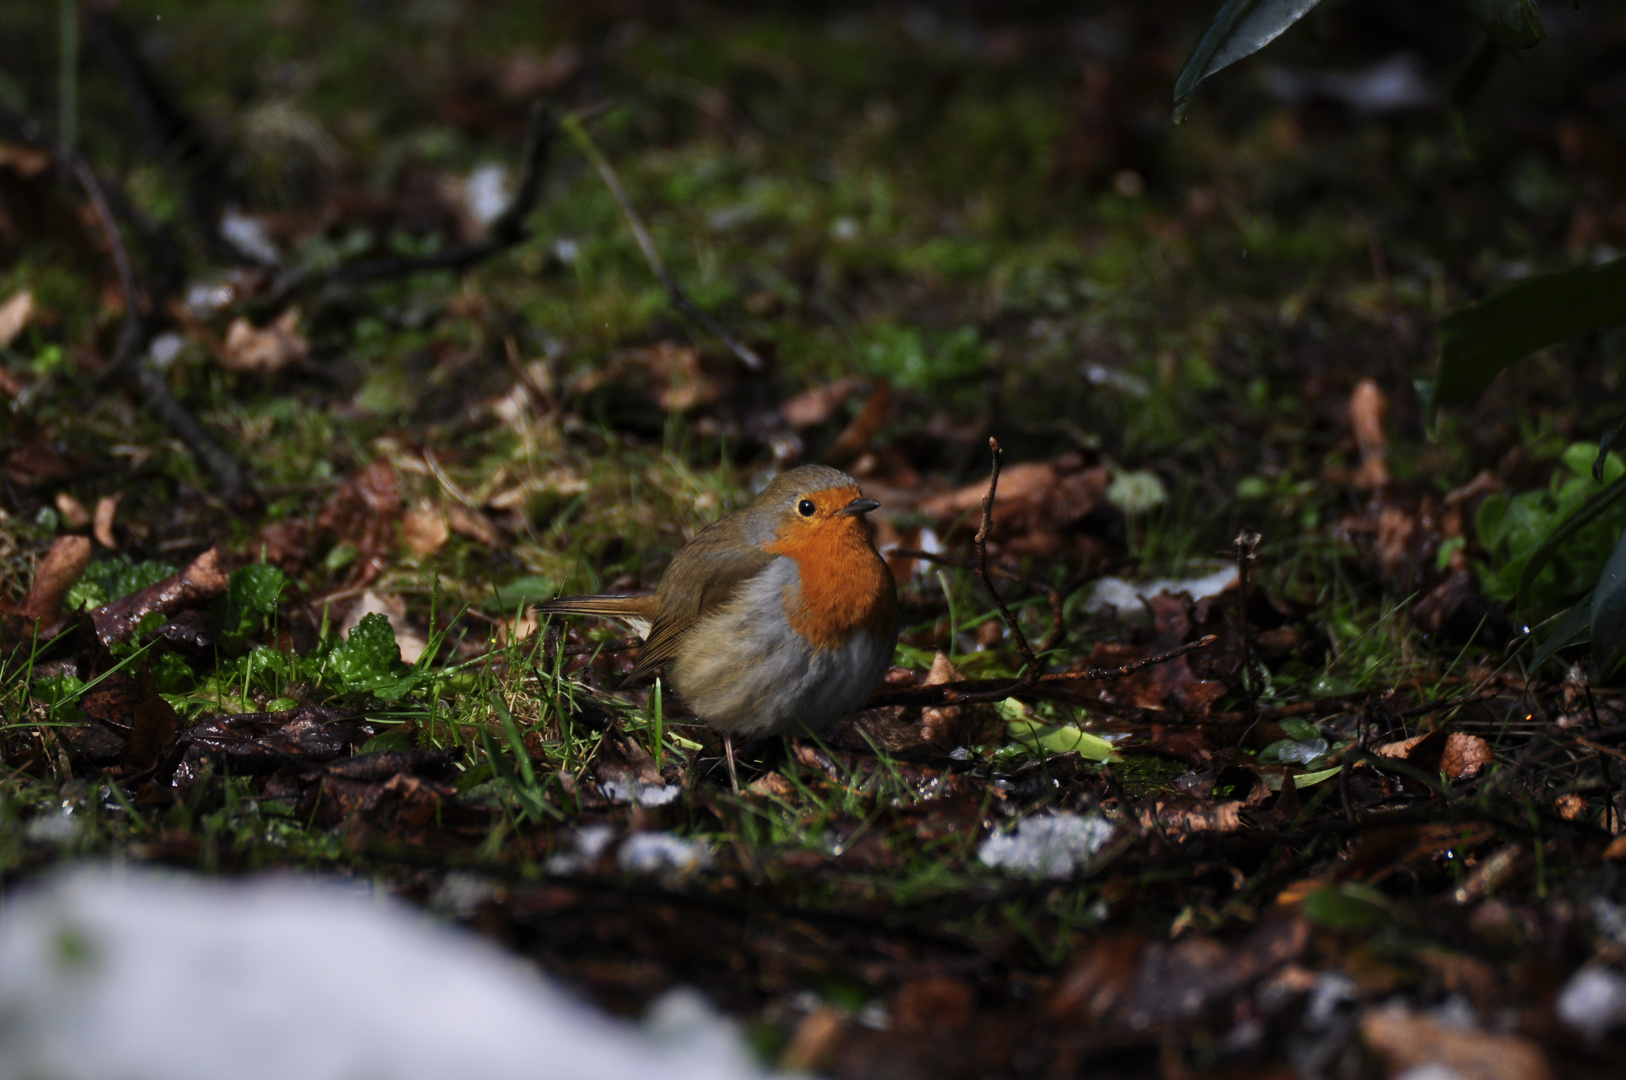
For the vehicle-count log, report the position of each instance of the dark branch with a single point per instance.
(980, 543)
(506, 230)
(126, 364)
(652, 255)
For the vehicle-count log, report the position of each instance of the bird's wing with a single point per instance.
(724, 566)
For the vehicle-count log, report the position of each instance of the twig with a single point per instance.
(505, 230)
(1055, 595)
(972, 691)
(149, 384)
(646, 243)
(170, 135)
(1247, 545)
(980, 543)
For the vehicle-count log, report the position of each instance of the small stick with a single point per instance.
(980, 543)
(646, 243)
(1247, 544)
(1056, 596)
(728, 752)
(153, 390)
(983, 690)
(505, 230)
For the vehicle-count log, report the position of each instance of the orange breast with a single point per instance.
(846, 586)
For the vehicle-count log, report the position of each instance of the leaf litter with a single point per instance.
(1157, 806)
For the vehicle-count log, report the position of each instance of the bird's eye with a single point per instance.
(806, 508)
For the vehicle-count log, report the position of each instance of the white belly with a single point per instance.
(755, 676)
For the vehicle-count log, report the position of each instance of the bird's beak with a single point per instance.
(859, 506)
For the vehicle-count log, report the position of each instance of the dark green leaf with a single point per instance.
(251, 597)
(1241, 28)
(1574, 628)
(1605, 441)
(367, 656)
(1301, 730)
(1347, 907)
(1473, 73)
(1477, 342)
(1609, 607)
(1514, 24)
(1589, 510)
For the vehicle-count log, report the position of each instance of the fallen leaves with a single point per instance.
(252, 350)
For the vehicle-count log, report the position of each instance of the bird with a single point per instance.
(777, 619)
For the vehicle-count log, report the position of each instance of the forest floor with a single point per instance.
(1352, 830)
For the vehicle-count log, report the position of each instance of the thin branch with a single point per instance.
(1056, 597)
(980, 543)
(646, 243)
(504, 231)
(972, 691)
(149, 384)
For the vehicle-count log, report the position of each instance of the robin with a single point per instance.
(781, 617)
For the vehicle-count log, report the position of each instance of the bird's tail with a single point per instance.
(639, 611)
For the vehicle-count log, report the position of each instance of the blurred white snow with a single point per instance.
(142, 975)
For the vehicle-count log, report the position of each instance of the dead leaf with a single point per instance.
(1367, 406)
(1464, 755)
(63, 565)
(152, 727)
(264, 351)
(858, 434)
(362, 511)
(818, 405)
(424, 531)
(814, 1043)
(74, 514)
(106, 507)
(197, 585)
(935, 1004)
(1407, 1041)
(15, 315)
(37, 463)
(474, 525)
(25, 161)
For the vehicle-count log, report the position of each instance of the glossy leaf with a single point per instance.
(1241, 28)
(1589, 511)
(1609, 608)
(1574, 628)
(1477, 342)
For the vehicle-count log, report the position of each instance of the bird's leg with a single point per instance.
(728, 751)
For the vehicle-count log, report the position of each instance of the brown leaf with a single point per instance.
(363, 511)
(424, 531)
(74, 514)
(63, 565)
(818, 405)
(15, 315)
(935, 1004)
(858, 434)
(1367, 406)
(197, 585)
(36, 463)
(25, 161)
(106, 507)
(1407, 1041)
(474, 525)
(814, 1043)
(264, 351)
(1464, 755)
(152, 728)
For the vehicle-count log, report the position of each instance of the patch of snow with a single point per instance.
(486, 194)
(282, 977)
(249, 236)
(1593, 1002)
(589, 842)
(640, 794)
(1126, 599)
(1054, 846)
(659, 852)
